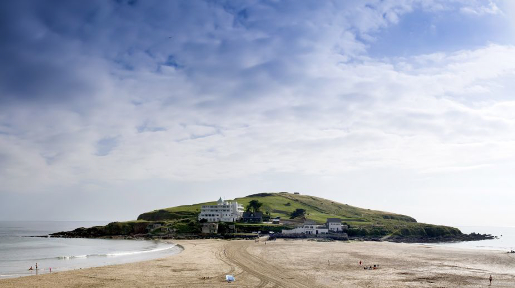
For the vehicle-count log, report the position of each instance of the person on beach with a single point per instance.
(36, 266)
(490, 280)
(30, 269)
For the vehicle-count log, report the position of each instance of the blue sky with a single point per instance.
(112, 108)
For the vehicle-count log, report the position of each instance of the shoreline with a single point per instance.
(479, 248)
(79, 254)
(182, 248)
(295, 263)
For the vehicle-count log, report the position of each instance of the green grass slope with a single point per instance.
(283, 204)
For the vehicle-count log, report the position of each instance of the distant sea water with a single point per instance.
(505, 240)
(18, 252)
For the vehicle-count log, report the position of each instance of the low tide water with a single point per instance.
(18, 252)
(504, 241)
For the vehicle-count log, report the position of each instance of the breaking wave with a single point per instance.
(117, 254)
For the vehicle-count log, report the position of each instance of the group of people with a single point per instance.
(30, 269)
(376, 266)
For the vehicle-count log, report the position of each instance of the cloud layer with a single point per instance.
(101, 93)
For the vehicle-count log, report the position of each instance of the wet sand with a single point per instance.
(204, 263)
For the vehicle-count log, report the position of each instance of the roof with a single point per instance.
(332, 220)
(252, 215)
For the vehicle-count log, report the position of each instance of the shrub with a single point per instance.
(298, 213)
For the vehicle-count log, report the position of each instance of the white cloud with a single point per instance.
(479, 9)
(339, 118)
(272, 90)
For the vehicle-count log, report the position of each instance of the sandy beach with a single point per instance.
(204, 263)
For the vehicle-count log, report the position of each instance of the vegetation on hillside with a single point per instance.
(253, 206)
(361, 222)
(298, 213)
(292, 208)
(283, 204)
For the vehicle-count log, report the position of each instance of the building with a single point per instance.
(153, 226)
(276, 220)
(251, 217)
(309, 227)
(334, 224)
(209, 228)
(158, 228)
(223, 211)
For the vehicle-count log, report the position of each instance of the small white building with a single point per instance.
(309, 227)
(334, 224)
(223, 211)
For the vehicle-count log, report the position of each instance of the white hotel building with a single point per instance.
(223, 211)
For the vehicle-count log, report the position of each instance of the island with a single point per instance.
(279, 215)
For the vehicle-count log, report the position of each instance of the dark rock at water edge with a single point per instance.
(453, 238)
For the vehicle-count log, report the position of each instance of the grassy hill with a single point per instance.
(362, 222)
(282, 204)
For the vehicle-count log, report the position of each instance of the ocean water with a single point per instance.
(505, 238)
(18, 252)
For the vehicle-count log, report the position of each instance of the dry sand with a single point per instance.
(204, 263)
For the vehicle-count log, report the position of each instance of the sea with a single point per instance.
(504, 241)
(19, 251)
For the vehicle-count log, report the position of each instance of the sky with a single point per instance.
(109, 109)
